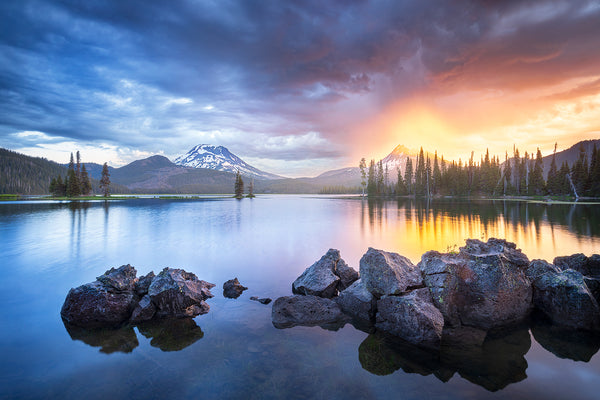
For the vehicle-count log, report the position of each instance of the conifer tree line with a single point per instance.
(76, 182)
(517, 176)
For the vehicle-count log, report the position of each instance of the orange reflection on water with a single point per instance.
(540, 230)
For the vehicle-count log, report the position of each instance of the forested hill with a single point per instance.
(21, 174)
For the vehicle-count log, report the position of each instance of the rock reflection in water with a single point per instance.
(122, 340)
(498, 362)
(165, 334)
(171, 334)
(563, 342)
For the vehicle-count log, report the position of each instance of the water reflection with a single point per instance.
(165, 334)
(442, 224)
(497, 363)
(563, 342)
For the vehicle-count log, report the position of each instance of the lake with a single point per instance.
(234, 351)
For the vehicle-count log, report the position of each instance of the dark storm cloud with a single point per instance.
(123, 71)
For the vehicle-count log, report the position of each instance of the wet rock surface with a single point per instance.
(484, 285)
(325, 277)
(385, 273)
(118, 297)
(307, 310)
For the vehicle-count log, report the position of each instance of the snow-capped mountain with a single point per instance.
(220, 159)
(397, 160)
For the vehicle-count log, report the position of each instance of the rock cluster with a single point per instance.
(118, 297)
(455, 298)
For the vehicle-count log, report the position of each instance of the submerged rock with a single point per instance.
(305, 310)
(412, 317)
(483, 286)
(325, 277)
(233, 289)
(385, 273)
(263, 300)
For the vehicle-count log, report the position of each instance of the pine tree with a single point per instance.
(564, 187)
(73, 184)
(85, 183)
(239, 185)
(400, 185)
(371, 182)
(437, 176)
(507, 175)
(105, 180)
(408, 176)
(363, 174)
(536, 179)
(251, 189)
(380, 178)
(579, 172)
(594, 174)
(552, 184)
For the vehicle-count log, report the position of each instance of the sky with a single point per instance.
(297, 87)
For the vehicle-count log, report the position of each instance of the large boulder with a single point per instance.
(412, 317)
(565, 298)
(358, 302)
(94, 305)
(305, 310)
(180, 294)
(483, 286)
(325, 277)
(384, 273)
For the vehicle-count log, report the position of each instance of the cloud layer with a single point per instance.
(320, 82)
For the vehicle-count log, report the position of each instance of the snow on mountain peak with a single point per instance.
(221, 159)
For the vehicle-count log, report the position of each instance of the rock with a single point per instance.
(348, 275)
(180, 294)
(95, 305)
(386, 273)
(358, 302)
(143, 283)
(483, 286)
(233, 289)
(539, 267)
(264, 300)
(305, 310)
(144, 310)
(412, 317)
(119, 279)
(319, 279)
(566, 300)
(588, 266)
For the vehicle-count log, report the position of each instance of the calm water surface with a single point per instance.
(234, 351)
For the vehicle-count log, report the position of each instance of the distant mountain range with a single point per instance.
(219, 158)
(209, 169)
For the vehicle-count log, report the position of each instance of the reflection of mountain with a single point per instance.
(497, 363)
(166, 334)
